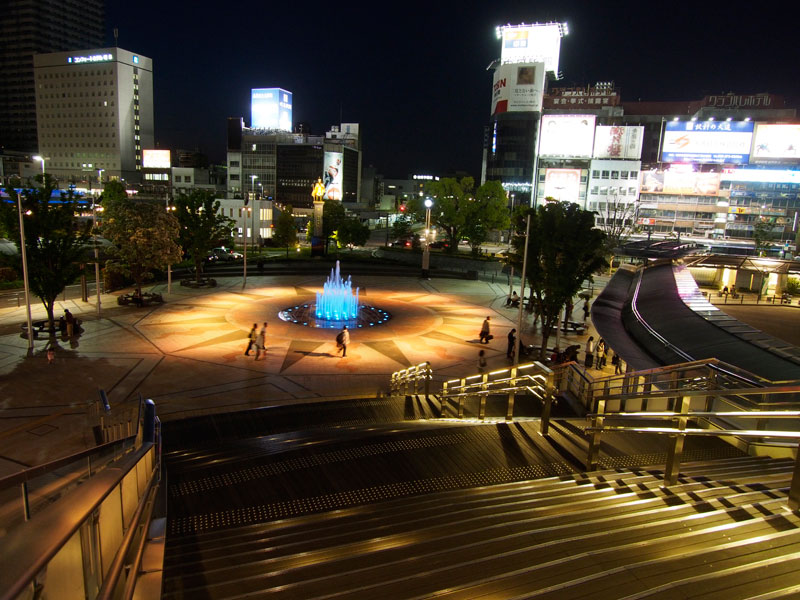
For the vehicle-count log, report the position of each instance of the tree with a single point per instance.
(333, 216)
(352, 232)
(616, 220)
(55, 239)
(401, 227)
(464, 212)
(144, 234)
(285, 233)
(202, 227)
(762, 232)
(564, 250)
(487, 212)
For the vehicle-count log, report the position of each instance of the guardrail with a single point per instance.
(681, 429)
(533, 379)
(402, 381)
(88, 543)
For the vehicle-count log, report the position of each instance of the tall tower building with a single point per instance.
(27, 28)
(95, 111)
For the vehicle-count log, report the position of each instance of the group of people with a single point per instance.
(258, 340)
(597, 355)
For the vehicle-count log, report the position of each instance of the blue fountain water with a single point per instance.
(337, 301)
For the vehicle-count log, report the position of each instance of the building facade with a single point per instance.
(95, 112)
(28, 28)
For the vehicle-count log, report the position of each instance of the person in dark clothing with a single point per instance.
(511, 339)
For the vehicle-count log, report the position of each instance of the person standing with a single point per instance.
(586, 310)
(617, 362)
(70, 322)
(482, 361)
(486, 331)
(261, 341)
(511, 339)
(599, 350)
(343, 339)
(252, 336)
(588, 360)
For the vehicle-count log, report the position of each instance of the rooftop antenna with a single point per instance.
(116, 37)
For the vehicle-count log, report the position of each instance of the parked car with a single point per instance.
(224, 254)
(402, 243)
(440, 244)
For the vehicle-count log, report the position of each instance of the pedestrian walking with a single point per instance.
(586, 310)
(486, 331)
(482, 361)
(588, 360)
(511, 339)
(252, 336)
(617, 362)
(261, 341)
(342, 339)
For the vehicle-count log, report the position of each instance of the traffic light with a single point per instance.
(403, 208)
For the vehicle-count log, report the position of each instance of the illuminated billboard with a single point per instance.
(156, 159)
(681, 181)
(567, 136)
(539, 42)
(618, 142)
(775, 141)
(562, 184)
(271, 108)
(725, 142)
(332, 176)
(518, 88)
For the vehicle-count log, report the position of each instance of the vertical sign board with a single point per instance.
(332, 175)
(618, 142)
(518, 88)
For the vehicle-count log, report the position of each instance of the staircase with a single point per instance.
(722, 532)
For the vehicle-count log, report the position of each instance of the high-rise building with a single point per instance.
(27, 28)
(95, 111)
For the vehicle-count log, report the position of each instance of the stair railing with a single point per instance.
(402, 381)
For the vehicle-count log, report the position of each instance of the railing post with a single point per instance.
(647, 387)
(511, 394)
(482, 397)
(794, 490)
(428, 377)
(26, 507)
(461, 399)
(548, 404)
(444, 400)
(594, 441)
(416, 381)
(675, 450)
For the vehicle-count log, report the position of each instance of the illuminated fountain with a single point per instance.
(337, 302)
(336, 306)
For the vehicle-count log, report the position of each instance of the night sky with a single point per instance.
(414, 74)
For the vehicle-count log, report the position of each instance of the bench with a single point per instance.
(38, 327)
(575, 326)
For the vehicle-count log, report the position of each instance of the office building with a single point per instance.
(95, 111)
(28, 28)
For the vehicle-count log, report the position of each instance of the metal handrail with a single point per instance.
(403, 378)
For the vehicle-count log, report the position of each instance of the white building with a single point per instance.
(95, 111)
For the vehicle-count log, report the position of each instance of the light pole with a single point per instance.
(170, 208)
(42, 160)
(96, 253)
(244, 226)
(25, 272)
(522, 291)
(426, 253)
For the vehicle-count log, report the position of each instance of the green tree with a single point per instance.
(144, 234)
(564, 250)
(353, 233)
(55, 239)
(762, 233)
(464, 212)
(285, 233)
(486, 212)
(202, 226)
(333, 216)
(401, 227)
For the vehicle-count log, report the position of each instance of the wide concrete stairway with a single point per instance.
(723, 532)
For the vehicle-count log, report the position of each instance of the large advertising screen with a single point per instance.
(774, 141)
(680, 181)
(156, 159)
(332, 176)
(725, 142)
(562, 184)
(271, 108)
(532, 43)
(570, 136)
(618, 142)
(518, 88)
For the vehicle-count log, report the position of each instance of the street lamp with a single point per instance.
(40, 159)
(244, 226)
(426, 253)
(170, 208)
(25, 271)
(95, 208)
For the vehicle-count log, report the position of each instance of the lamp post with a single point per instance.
(25, 272)
(96, 253)
(244, 226)
(426, 252)
(170, 208)
(42, 160)
(522, 294)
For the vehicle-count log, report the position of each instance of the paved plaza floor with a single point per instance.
(188, 354)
